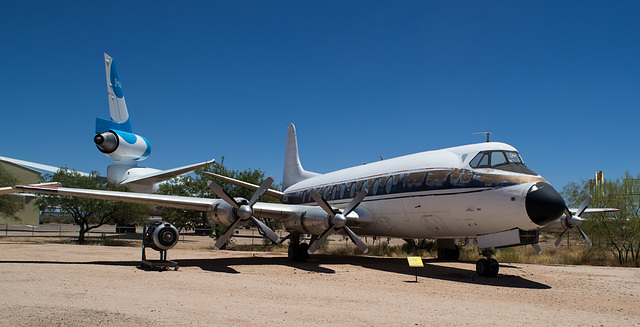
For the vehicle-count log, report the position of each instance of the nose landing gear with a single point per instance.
(487, 267)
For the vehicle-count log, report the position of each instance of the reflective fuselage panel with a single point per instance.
(432, 194)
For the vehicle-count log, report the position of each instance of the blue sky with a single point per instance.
(560, 81)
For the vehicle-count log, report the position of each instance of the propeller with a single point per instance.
(243, 212)
(571, 221)
(338, 220)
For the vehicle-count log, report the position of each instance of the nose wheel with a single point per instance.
(487, 267)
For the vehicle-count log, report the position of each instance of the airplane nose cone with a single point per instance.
(544, 204)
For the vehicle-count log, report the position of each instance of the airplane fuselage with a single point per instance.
(448, 193)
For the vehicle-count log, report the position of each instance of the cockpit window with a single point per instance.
(497, 158)
(503, 160)
(514, 157)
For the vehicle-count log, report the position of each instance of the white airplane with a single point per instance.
(115, 138)
(481, 191)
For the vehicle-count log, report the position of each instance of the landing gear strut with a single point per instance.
(487, 267)
(448, 250)
(297, 251)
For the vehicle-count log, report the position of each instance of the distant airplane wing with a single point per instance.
(164, 175)
(11, 190)
(253, 187)
(35, 165)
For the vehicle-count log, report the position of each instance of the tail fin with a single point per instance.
(117, 106)
(293, 171)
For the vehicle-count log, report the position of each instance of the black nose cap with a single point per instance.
(544, 204)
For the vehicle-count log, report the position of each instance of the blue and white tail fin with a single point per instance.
(293, 171)
(117, 106)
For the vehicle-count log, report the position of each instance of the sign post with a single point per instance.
(415, 262)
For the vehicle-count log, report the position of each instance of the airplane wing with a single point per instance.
(164, 175)
(264, 210)
(297, 217)
(34, 165)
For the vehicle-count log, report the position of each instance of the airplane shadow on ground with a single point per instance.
(393, 265)
(433, 269)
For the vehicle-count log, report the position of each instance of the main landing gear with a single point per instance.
(487, 267)
(297, 251)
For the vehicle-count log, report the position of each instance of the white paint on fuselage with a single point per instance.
(442, 213)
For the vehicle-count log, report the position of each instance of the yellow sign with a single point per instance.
(415, 262)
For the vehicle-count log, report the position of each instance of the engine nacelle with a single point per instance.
(120, 145)
(313, 220)
(160, 236)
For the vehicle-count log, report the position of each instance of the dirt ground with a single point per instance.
(72, 285)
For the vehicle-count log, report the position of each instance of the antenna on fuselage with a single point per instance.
(485, 133)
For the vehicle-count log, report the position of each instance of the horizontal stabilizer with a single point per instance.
(594, 210)
(253, 187)
(103, 125)
(163, 175)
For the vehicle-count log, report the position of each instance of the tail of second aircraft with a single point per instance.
(115, 137)
(117, 106)
(293, 171)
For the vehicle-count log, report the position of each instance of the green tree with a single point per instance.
(195, 185)
(9, 204)
(91, 213)
(617, 232)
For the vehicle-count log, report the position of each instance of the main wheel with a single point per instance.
(298, 251)
(494, 267)
(482, 267)
(487, 267)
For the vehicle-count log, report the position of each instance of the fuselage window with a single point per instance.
(363, 186)
(388, 184)
(326, 193)
(343, 190)
(352, 190)
(334, 190)
(376, 186)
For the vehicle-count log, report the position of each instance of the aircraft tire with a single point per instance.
(487, 267)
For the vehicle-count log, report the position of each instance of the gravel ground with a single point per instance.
(72, 285)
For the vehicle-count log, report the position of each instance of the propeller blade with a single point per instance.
(322, 202)
(584, 205)
(226, 235)
(266, 230)
(536, 247)
(220, 192)
(584, 235)
(261, 191)
(355, 239)
(560, 237)
(355, 202)
(318, 242)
